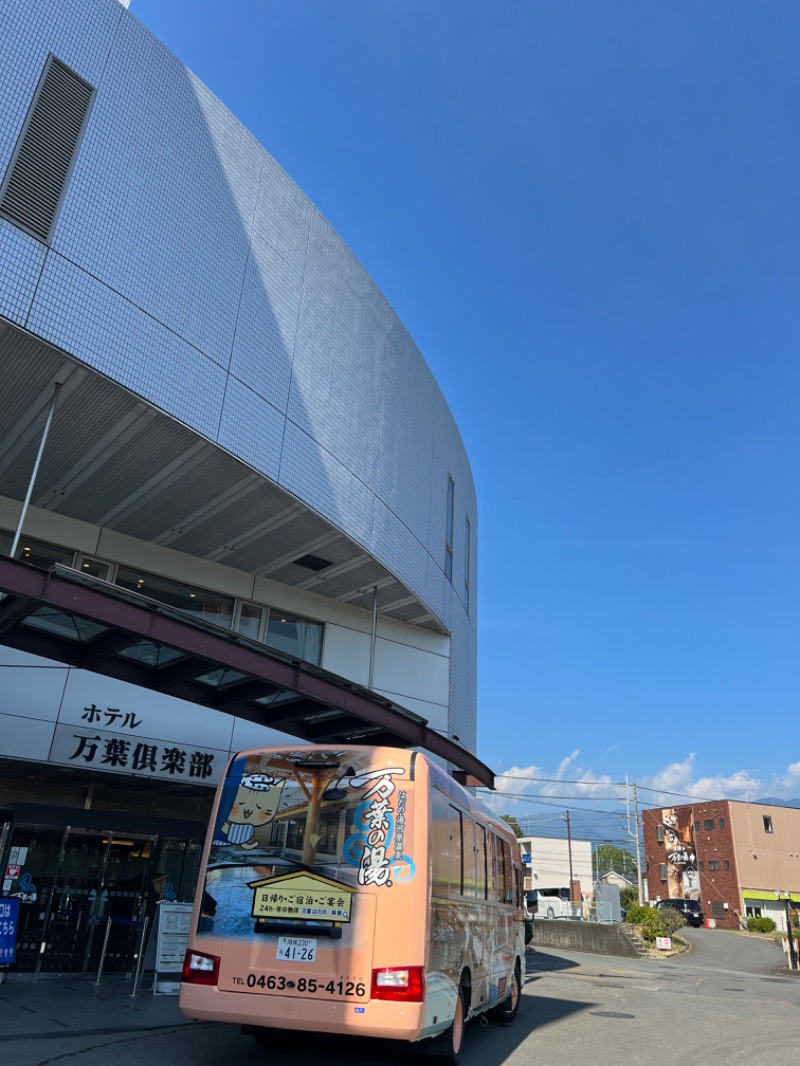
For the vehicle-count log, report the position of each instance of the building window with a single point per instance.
(696, 826)
(94, 567)
(708, 823)
(250, 619)
(727, 864)
(42, 555)
(660, 834)
(205, 605)
(466, 564)
(767, 823)
(722, 823)
(294, 636)
(713, 866)
(448, 536)
(662, 871)
(701, 866)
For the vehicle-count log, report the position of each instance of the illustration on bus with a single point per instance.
(357, 890)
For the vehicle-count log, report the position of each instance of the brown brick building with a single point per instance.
(737, 859)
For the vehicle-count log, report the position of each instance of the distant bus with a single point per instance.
(354, 890)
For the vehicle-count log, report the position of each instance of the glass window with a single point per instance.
(696, 826)
(480, 857)
(701, 866)
(767, 824)
(506, 883)
(713, 865)
(708, 823)
(662, 871)
(722, 823)
(440, 844)
(660, 833)
(43, 555)
(295, 636)
(250, 621)
(727, 864)
(209, 606)
(94, 567)
(468, 829)
(448, 538)
(456, 854)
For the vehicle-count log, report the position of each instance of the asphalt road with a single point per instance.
(721, 1004)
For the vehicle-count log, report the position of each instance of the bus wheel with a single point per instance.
(506, 1011)
(446, 1048)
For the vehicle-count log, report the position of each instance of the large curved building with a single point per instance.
(224, 416)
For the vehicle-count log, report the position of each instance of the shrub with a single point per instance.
(672, 920)
(635, 914)
(760, 925)
(650, 924)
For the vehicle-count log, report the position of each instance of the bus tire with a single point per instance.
(506, 1011)
(447, 1046)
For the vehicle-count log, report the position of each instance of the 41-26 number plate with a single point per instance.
(296, 949)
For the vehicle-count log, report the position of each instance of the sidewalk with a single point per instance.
(77, 1007)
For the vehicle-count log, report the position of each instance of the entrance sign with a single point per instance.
(9, 914)
(172, 936)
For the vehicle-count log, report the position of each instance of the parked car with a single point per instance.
(689, 908)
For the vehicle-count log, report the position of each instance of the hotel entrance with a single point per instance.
(86, 892)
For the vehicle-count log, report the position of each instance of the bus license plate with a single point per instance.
(296, 949)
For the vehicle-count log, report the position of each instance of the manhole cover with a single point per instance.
(610, 1014)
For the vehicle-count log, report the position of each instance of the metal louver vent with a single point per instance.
(39, 168)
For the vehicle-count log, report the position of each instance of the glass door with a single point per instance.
(100, 888)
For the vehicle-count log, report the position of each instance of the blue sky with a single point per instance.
(587, 215)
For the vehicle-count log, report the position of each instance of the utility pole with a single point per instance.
(638, 849)
(569, 849)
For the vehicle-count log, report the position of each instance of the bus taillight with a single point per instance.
(406, 983)
(200, 969)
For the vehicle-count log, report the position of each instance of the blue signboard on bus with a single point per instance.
(9, 915)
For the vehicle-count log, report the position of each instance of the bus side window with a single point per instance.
(501, 871)
(440, 844)
(480, 858)
(469, 855)
(456, 854)
(507, 873)
(491, 863)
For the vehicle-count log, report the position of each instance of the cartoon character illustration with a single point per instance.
(254, 806)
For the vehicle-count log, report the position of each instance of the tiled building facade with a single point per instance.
(738, 859)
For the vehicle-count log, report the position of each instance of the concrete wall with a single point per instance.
(582, 936)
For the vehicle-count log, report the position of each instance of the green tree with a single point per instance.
(512, 821)
(609, 857)
(629, 897)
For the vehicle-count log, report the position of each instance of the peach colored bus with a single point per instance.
(354, 890)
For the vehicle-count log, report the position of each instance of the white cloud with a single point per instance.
(676, 783)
